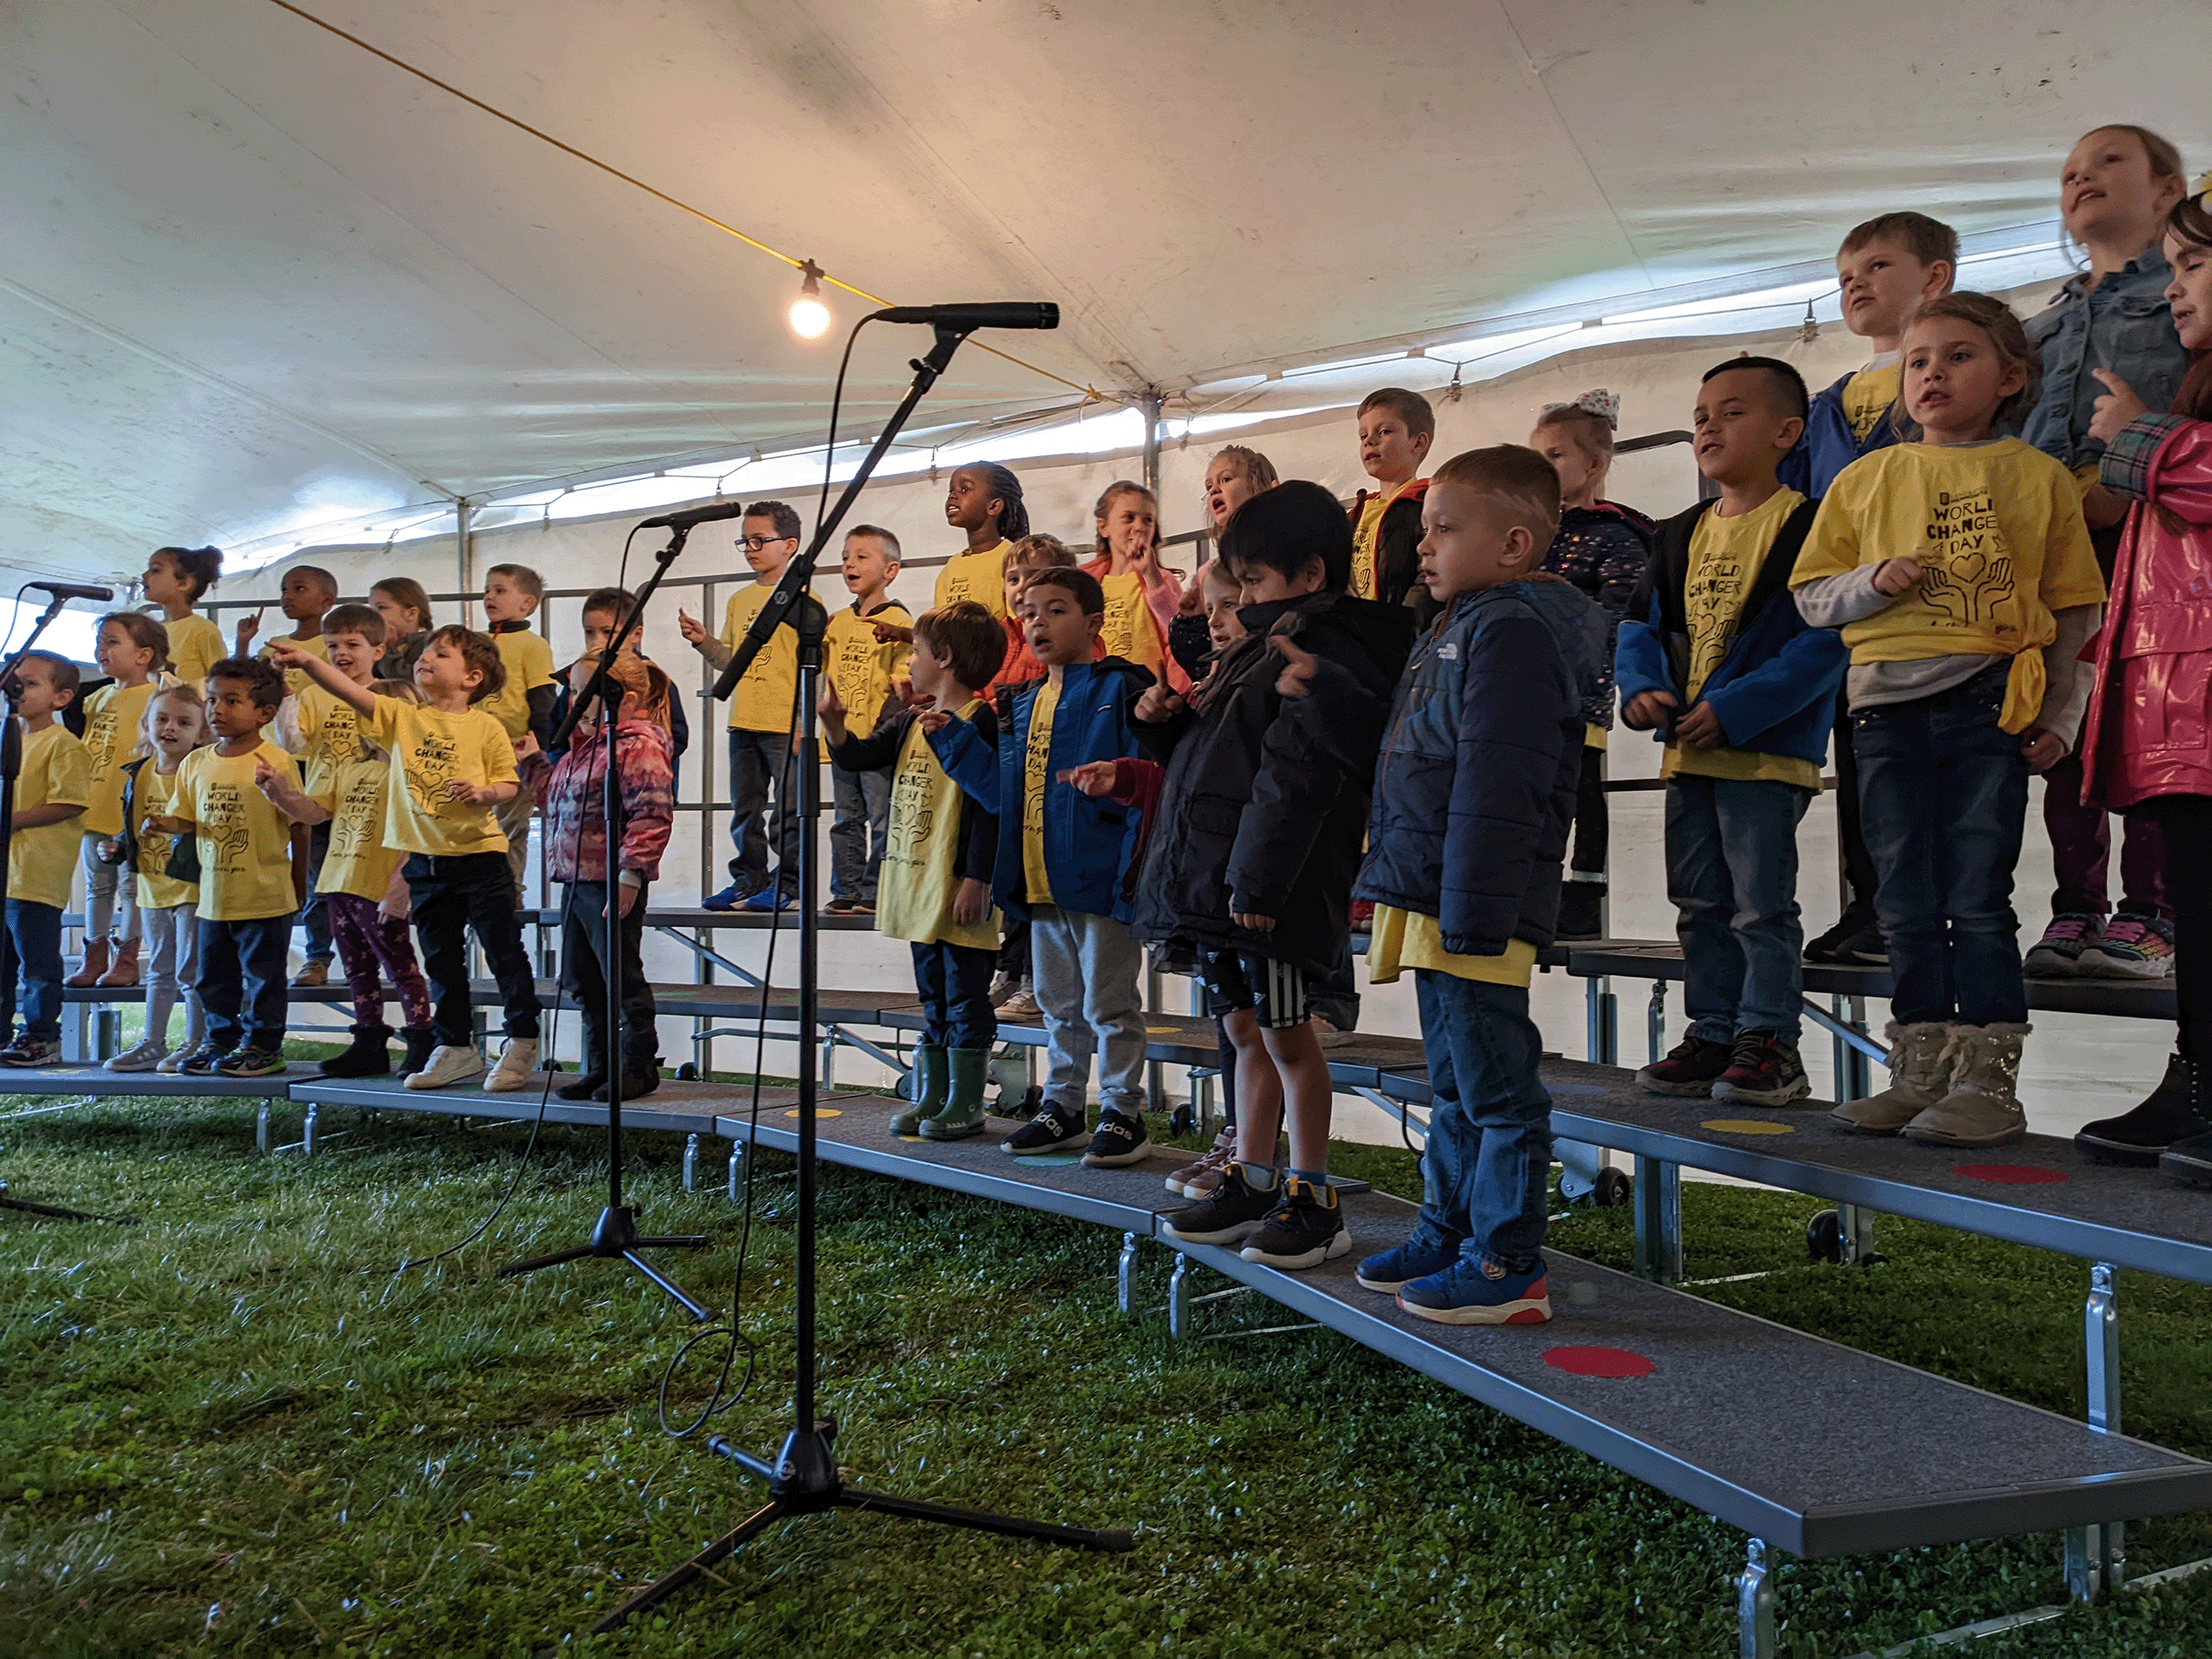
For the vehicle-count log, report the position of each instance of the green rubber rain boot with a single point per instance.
(963, 1112)
(929, 1090)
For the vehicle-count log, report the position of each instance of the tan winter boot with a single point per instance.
(1983, 1108)
(96, 964)
(1920, 1072)
(123, 965)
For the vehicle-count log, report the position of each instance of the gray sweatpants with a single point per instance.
(1085, 971)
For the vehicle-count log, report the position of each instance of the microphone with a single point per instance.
(1004, 313)
(695, 515)
(69, 590)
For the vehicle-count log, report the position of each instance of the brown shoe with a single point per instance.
(123, 966)
(95, 964)
(313, 973)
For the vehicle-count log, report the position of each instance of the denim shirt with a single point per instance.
(2124, 326)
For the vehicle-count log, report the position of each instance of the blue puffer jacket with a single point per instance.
(1828, 446)
(1088, 843)
(1774, 692)
(1475, 787)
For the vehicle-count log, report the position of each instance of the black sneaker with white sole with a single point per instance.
(1305, 1229)
(1121, 1140)
(1231, 1213)
(1055, 1129)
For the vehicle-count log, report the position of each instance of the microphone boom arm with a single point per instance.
(800, 571)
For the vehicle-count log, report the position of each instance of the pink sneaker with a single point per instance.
(2132, 948)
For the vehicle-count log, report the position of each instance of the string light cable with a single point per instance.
(812, 271)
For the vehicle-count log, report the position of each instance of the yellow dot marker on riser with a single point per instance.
(820, 1111)
(1746, 1126)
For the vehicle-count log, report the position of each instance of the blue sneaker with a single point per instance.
(1426, 1252)
(1473, 1291)
(767, 899)
(729, 898)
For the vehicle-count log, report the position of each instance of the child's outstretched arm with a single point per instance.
(967, 759)
(287, 796)
(286, 654)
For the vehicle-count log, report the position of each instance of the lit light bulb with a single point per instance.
(810, 316)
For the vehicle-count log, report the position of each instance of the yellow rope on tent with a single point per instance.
(1091, 393)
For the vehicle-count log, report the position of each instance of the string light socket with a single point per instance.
(810, 316)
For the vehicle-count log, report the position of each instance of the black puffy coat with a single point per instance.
(1255, 815)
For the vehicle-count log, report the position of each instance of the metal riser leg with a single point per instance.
(692, 1163)
(1755, 1604)
(1658, 1201)
(2096, 1555)
(1126, 1275)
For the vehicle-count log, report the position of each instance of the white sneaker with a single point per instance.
(143, 1055)
(1022, 1004)
(1327, 1035)
(518, 1059)
(449, 1063)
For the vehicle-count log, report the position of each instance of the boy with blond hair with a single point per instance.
(1473, 793)
(864, 664)
(524, 700)
(1396, 427)
(1886, 269)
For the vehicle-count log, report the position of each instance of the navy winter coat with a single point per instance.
(1087, 843)
(1256, 815)
(1481, 756)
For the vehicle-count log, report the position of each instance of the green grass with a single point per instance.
(230, 1430)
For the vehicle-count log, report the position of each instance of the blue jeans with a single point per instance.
(1943, 795)
(1732, 873)
(242, 981)
(34, 931)
(1485, 1172)
(858, 833)
(953, 982)
(760, 764)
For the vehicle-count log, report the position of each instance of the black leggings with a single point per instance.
(2187, 820)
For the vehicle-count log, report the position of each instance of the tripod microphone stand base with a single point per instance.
(804, 1481)
(616, 1238)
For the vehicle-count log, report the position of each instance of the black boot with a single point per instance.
(420, 1044)
(2167, 1116)
(1581, 909)
(368, 1056)
(591, 1077)
(640, 1077)
(2189, 1158)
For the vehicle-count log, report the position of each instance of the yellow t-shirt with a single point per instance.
(245, 843)
(56, 772)
(297, 680)
(1366, 534)
(196, 645)
(1399, 939)
(1868, 393)
(1129, 631)
(360, 859)
(155, 797)
(921, 864)
(430, 749)
(1725, 557)
(762, 700)
(978, 576)
(862, 667)
(1998, 529)
(529, 663)
(329, 733)
(1037, 763)
(111, 717)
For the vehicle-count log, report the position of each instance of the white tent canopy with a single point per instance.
(259, 281)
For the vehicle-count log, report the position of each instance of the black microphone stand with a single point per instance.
(615, 1236)
(11, 768)
(805, 1479)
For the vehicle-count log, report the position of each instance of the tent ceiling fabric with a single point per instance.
(256, 279)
